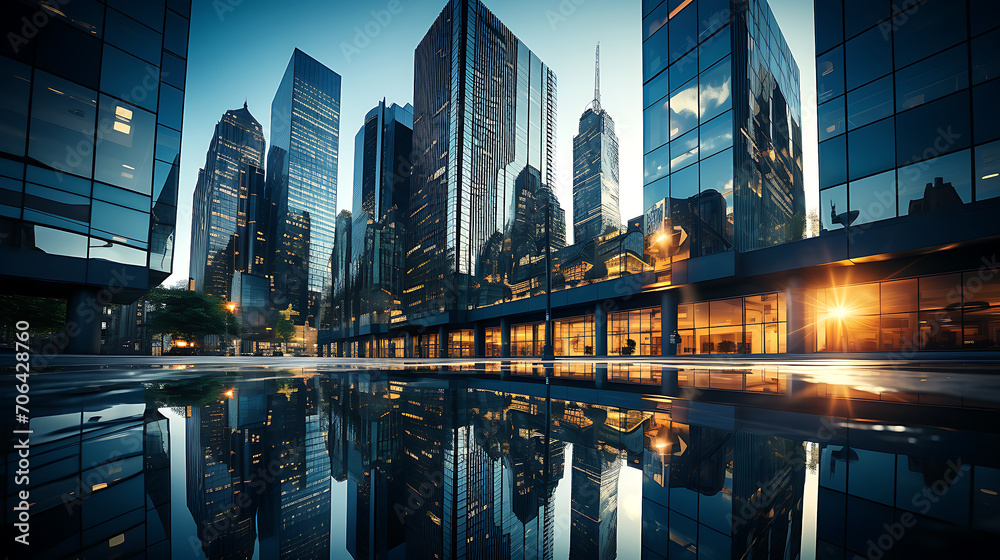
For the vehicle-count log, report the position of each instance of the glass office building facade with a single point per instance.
(484, 116)
(302, 181)
(721, 131)
(228, 185)
(90, 132)
(908, 122)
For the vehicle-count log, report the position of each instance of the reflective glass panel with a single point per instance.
(171, 107)
(833, 204)
(829, 18)
(986, 57)
(684, 69)
(934, 128)
(714, 48)
(116, 252)
(15, 89)
(56, 208)
(874, 198)
(930, 27)
(987, 111)
(869, 103)
(124, 155)
(862, 14)
(684, 109)
(832, 119)
(899, 296)
(129, 78)
(133, 37)
(656, 164)
(830, 75)
(55, 242)
(684, 151)
(121, 197)
(870, 149)
(656, 89)
(683, 32)
(938, 184)
(717, 135)
(716, 90)
(173, 71)
(165, 180)
(933, 78)
(654, 54)
(869, 56)
(655, 123)
(175, 36)
(117, 221)
(654, 21)
(168, 143)
(148, 12)
(833, 162)
(712, 14)
(988, 171)
(63, 116)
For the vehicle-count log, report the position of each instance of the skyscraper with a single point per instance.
(381, 207)
(595, 170)
(484, 111)
(719, 175)
(228, 184)
(90, 135)
(302, 181)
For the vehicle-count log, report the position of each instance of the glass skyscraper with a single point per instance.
(381, 207)
(484, 113)
(595, 171)
(226, 197)
(719, 175)
(302, 183)
(90, 133)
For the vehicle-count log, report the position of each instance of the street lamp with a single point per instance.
(232, 309)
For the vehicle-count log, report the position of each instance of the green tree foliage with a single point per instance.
(188, 315)
(284, 331)
(44, 315)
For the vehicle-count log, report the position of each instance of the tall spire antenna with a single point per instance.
(597, 79)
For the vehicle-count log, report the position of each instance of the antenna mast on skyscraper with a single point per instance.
(597, 79)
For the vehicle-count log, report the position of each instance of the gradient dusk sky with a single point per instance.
(240, 48)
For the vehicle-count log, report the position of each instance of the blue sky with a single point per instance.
(240, 48)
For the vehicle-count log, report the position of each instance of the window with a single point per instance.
(988, 171)
(931, 27)
(987, 111)
(684, 151)
(116, 252)
(932, 129)
(830, 75)
(833, 208)
(654, 54)
(712, 14)
(15, 89)
(55, 40)
(165, 183)
(655, 192)
(832, 119)
(869, 56)
(717, 135)
(161, 238)
(573, 337)
(655, 20)
(121, 197)
(684, 109)
(124, 155)
(171, 107)
(870, 149)
(493, 342)
(62, 243)
(656, 89)
(874, 198)
(129, 78)
(656, 123)
(899, 296)
(149, 12)
(985, 15)
(684, 184)
(133, 37)
(986, 57)
(634, 333)
(684, 69)
(715, 93)
(461, 344)
(933, 78)
(168, 143)
(833, 162)
(937, 184)
(656, 164)
(173, 70)
(714, 48)
(175, 36)
(63, 116)
(869, 103)
(683, 32)
(116, 222)
(939, 292)
(56, 208)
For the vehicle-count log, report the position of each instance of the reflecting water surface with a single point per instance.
(493, 461)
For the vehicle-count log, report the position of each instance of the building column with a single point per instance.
(600, 330)
(601, 375)
(479, 340)
(504, 337)
(668, 322)
(668, 381)
(442, 341)
(797, 317)
(408, 345)
(83, 322)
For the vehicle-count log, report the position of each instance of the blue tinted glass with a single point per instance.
(175, 36)
(684, 151)
(829, 18)
(171, 107)
(165, 183)
(119, 221)
(717, 173)
(831, 119)
(986, 57)
(717, 135)
(133, 37)
(872, 476)
(656, 19)
(10, 193)
(869, 103)
(712, 15)
(988, 171)
(656, 164)
(100, 249)
(833, 162)
(656, 89)
(684, 184)
(15, 88)
(655, 192)
(62, 243)
(182, 7)
(173, 70)
(985, 15)
(129, 78)
(932, 78)
(656, 125)
(654, 54)
(121, 197)
(56, 41)
(168, 143)
(874, 198)
(715, 91)
(830, 75)
(870, 149)
(10, 168)
(714, 48)
(58, 180)
(56, 208)
(148, 12)
(684, 69)
(684, 109)
(869, 56)
(930, 27)
(938, 127)
(862, 14)
(987, 111)
(63, 116)
(683, 32)
(938, 184)
(124, 155)
(833, 209)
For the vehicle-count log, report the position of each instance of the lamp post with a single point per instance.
(232, 308)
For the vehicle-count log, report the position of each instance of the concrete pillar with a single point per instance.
(442, 341)
(479, 340)
(408, 342)
(797, 316)
(668, 321)
(668, 381)
(504, 337)
(83, 322)
(600, 330)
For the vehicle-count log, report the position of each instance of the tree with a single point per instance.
(813, 219)
(284, 331)
(188, 315)
(44, 315)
